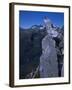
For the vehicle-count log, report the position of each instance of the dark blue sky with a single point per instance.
(29, 18)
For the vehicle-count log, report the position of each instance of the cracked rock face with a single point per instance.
(48, 60)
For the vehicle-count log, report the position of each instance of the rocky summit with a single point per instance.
(49, 59)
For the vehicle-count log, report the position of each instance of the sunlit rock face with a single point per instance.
(48, 59)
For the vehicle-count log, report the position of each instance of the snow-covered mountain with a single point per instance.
(37, 27)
